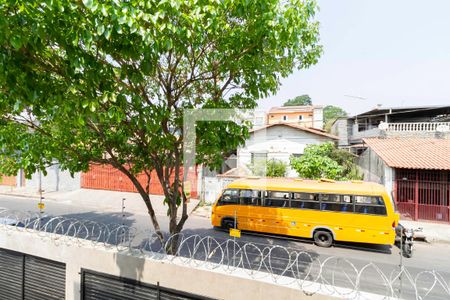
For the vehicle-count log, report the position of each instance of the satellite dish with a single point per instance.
(383, 126)
(443, 128)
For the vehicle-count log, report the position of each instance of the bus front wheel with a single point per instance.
(323, 238)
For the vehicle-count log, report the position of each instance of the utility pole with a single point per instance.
(41, 205)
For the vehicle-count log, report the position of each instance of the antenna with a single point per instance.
(355, 97)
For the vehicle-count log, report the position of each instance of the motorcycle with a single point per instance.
(405, 239)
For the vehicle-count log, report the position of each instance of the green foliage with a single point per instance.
(298, 101)
(330, 114)
(325, 161)
(269, 168)
(108, 81)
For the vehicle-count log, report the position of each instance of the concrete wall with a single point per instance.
(55, 180)
(340, 129)
(375, 169)
(418, 134)
(214, 283)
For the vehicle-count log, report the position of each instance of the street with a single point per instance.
(427, 257)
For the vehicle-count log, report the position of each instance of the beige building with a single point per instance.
(307, 116)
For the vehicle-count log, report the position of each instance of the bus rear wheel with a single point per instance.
(323, 238)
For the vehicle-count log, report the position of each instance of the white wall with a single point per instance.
(318, 117)
(55, 180)
(279, 142)
(214, 282)
(389, 177)
(214, 186)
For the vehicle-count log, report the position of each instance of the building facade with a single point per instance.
(306, 116)
(279, 142)
(415, 171)
(425, 121)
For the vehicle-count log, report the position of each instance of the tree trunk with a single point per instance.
(145, 196)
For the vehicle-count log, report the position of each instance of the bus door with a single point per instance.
(370, 221)
(275, 212)
(249, 209)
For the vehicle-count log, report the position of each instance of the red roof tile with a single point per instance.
(412, 153)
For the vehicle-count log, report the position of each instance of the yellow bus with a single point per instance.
(323, 210)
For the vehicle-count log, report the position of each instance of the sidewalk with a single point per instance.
(99, 199)
(432, 232)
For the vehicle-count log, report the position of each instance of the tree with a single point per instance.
(298, 101)
(325, 161)
(330, 114)
(108, 81)
(270, 168)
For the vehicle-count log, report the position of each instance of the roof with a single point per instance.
(380, 111)
(293, 109)
(298, 127)
(412, 153)
(296, 184)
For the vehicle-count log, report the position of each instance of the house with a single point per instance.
(307, 116)
(415, 170)
(411, 121)
(279, 141)
(408, 150)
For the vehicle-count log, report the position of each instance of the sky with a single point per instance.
(389, 52)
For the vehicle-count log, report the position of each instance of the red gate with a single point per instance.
(105, 177)
(8, 180)
(423, 194)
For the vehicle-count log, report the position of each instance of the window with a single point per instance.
(229, 197)
(305, 201)
(370, 205)
(258, 157)
(285, 118)
(335, 202)
(250, 197)
(276, 199)
(300, 117)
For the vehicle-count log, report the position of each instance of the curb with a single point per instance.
(29, 196)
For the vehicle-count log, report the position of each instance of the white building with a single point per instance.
(280, 141)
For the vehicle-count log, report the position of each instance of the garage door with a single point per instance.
(26, 277)
(99, 286)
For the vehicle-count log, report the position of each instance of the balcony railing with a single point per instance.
(419, 126)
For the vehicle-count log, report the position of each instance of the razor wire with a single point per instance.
(282, 265)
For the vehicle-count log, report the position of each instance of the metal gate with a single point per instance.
(26, 277)
(423, 194)
(99, 286)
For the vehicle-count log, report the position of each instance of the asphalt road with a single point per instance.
(427, 257)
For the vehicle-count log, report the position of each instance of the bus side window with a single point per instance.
(346, 203)
(276, 199)
(336, 202)
(330, 202)
(305, 201)
(229, 197)
(250, 197)
(370, 205)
